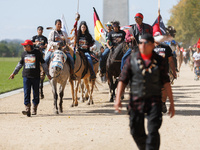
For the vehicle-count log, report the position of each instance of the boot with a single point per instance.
(92, 74)
(27, 110)
(72, 75)
(34, 110)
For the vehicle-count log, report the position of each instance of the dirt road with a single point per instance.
(97, 126)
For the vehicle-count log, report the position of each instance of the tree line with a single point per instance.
(10, 49)
(185, 17)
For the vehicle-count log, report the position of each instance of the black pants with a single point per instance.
(152, 140)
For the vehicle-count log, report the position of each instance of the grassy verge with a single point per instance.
(7, 66)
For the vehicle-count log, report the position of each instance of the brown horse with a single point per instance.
(113, 67)
(81, 72)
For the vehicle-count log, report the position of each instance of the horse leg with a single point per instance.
(54, 91)
(75, 103)
(81, 87)
(72, 89)
(111, 86)
(41, 88)
(61, 93)
(91, 91)
(88, 89)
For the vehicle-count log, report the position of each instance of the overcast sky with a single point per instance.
(20, 18)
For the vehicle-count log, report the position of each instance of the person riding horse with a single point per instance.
(134, 33)
(57, 40)
(115, 37)
(84, 42)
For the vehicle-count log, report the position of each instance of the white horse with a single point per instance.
(60, 73)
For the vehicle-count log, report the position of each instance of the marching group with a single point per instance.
(146, 68)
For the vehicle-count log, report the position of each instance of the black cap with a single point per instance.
(40, 27)
(147, 37)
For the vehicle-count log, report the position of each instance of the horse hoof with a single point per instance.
(88, 103)
(92, 102)
(76, 104)
(111, 100)
(72, 105)
(60, 111)
(56, 112)
(87, 98)
(42, 96)
(122, 97)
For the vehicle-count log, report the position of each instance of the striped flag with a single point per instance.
(161, 25)
(99, 31)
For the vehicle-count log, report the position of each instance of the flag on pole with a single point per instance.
(64, 25)
(161, 25)
(99, 31)
(198, 43)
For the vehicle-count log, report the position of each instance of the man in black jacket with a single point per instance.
(147, 72)
(134, 34)
(30, 61)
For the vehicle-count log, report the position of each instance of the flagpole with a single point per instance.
(159, 12)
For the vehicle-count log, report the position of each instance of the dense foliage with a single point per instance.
(185, 17)
(10, 48)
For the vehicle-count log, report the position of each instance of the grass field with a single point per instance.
(7, 66)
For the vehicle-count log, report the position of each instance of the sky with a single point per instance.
(19, 19)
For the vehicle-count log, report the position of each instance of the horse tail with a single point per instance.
(96, 84)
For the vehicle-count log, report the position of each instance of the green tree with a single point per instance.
(185, 17)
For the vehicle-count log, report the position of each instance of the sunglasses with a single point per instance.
(145, 43)
(109, 25)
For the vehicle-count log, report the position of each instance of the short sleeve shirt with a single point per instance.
(116, 37)
(196, 57)
(41, 39)
(165, 51)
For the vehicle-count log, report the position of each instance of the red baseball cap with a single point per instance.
(139, 15)
(27, 42)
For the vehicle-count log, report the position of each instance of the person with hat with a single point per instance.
(30, 61)
(115, 37)
(40, 41)
(134, 33)
(106, 51)
(146, 71)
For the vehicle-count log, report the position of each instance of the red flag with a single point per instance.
(198, 43)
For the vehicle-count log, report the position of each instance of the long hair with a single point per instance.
(88, 36)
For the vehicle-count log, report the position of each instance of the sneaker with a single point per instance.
(164, 107)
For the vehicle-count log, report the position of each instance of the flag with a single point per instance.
(99, 31)
(64, 25)
(161, 25)
(198, 43)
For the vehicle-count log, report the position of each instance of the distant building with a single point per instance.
(116, 10)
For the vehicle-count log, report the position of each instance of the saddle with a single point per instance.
(86, 63)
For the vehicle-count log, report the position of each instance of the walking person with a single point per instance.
(196, 57)
(30, 61)
(146, 71)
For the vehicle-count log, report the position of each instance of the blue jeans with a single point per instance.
(48, 55)
(35, 84)
(89, 60)
(128, 52)
(103, 58)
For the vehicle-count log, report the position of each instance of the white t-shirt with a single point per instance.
(196, 57)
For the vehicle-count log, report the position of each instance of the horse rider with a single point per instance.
(39, 41)
(196, 57)
(146, 71)
(57, 40)
(115, 37)
(30, 61)
(134, 33)
(106, 51)
(84, 42)
(165, 51)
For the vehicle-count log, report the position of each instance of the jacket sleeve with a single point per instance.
(51, 39)
(128, 36)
